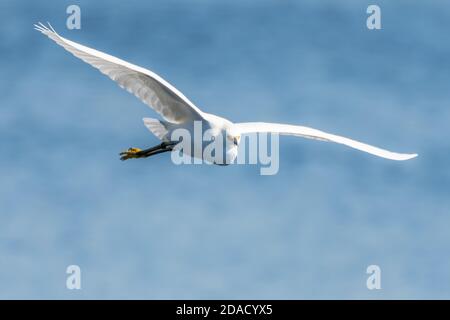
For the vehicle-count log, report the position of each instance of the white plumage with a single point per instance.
(179, 112)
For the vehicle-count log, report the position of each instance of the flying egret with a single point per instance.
(178, 112)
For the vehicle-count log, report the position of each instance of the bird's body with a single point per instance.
(181, 114)
(213, 127)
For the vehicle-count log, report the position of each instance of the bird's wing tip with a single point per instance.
(407, 156)
(45, 29)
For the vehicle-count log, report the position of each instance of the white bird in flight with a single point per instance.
(179, 112)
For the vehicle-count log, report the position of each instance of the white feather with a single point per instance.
(144, 84)
(177, 109)
(285, 129)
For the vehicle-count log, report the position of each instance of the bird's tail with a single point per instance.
(158, 128)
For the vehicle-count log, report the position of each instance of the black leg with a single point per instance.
(149, 150)
(136, 153)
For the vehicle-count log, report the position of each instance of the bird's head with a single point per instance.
(235, 140)
(233, 137)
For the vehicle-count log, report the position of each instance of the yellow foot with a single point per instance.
(130, 153)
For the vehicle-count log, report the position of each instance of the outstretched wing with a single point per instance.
(144, 84)
(285, 129)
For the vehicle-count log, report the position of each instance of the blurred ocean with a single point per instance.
(150, 229)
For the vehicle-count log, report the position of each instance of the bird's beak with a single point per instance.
(236, 140)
